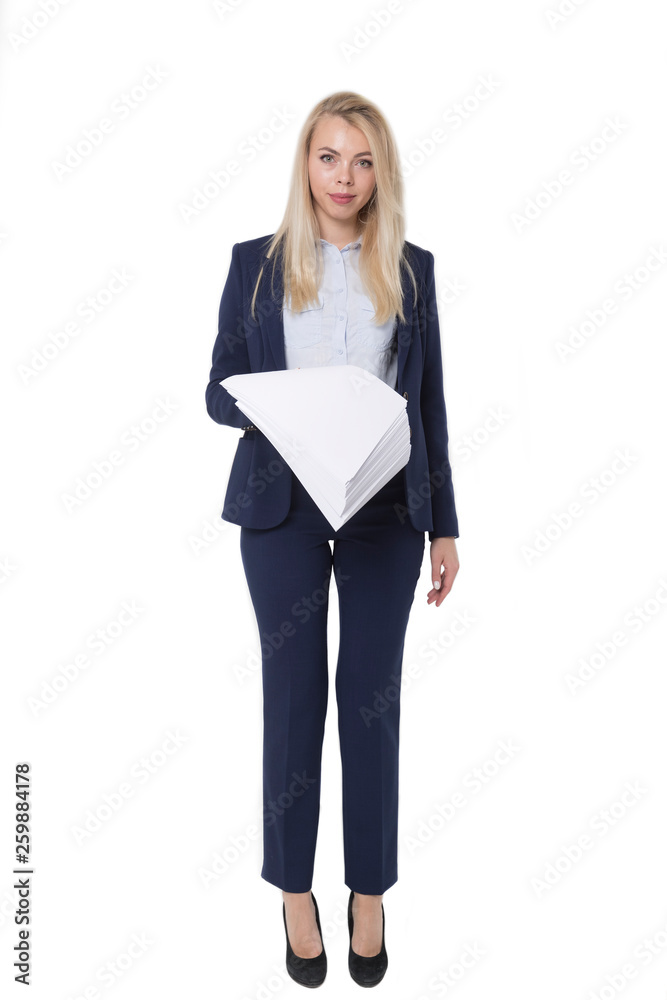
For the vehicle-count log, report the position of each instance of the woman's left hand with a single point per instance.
(443, 553)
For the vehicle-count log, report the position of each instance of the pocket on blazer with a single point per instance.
(303, 329)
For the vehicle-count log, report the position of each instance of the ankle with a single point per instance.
(297, 897)
(367, 901)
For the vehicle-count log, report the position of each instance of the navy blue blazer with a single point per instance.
(260, 481)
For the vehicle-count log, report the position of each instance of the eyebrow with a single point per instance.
(366, 152)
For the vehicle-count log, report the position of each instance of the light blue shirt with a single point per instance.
(341, 330)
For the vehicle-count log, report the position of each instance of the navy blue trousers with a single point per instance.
(377, 558)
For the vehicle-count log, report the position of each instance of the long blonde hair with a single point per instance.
(297, 239)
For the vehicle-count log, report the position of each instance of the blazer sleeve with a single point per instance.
(230, 351)
(434, 417)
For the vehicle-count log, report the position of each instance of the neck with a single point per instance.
(339, 233)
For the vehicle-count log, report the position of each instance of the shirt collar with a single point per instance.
(349, 246)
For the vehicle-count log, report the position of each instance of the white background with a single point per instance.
(534, 612)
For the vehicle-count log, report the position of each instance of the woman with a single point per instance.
(336, 284)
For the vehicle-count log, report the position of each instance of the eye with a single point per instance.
(325, 156)
(366, 161)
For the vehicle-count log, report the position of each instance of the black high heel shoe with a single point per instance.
(306, 971)
(366, 970)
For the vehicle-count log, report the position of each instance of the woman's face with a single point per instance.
(339, 162)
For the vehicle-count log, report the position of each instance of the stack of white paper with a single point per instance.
(343, 431)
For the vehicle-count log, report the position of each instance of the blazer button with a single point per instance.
(405, 395)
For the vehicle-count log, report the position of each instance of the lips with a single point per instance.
(341, 199)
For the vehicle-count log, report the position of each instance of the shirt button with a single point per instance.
(341, 317)
(339, 352)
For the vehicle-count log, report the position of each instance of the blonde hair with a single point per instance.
(382, 221)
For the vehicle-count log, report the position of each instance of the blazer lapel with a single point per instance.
(271, 319)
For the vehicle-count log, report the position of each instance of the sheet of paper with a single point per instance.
(343, 431)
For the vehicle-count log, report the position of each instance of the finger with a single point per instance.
(438, 594)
